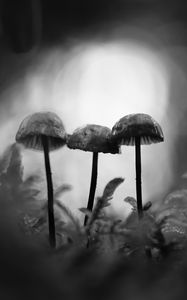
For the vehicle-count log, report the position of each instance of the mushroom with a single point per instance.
(137, 129)
(44, 131)
(93, 138)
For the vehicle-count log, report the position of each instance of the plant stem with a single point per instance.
(51, 220)
(92, 184)
(138, 177)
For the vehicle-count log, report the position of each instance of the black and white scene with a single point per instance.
(93, 149)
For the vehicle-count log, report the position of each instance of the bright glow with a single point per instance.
(99, 84)
(120, 81)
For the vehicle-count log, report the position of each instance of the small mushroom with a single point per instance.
(93, 138)
(44, 131)
(137, 129)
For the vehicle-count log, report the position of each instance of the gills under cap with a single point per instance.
(34, 126)
(137, 125)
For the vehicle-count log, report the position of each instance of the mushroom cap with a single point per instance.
(137, 125)
(34, 126)
(93, 138)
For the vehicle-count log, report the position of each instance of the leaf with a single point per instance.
(174, 232)
(14, 171)
(85, 211)
(132, 202)
(131, 220)
(103, 201)
(29, 194)
(5, 158)
(173, 228)
(176, 199)
(41, 221)
(31, 180)
(30, 224)
(111, 187)
(147, 205)
(180, 214)
(68, 235)
(174, 213)
(61, 189)
(68, 213)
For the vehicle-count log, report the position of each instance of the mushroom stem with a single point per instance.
(51, 220)
(138, 176)
(92, 185)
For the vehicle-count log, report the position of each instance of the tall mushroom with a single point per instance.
(137, 129)
(44, 131)
(93, 138)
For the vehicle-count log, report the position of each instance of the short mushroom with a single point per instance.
(137, 129)
(93, 138)
(44, 131)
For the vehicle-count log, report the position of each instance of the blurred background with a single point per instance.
(94, 62)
